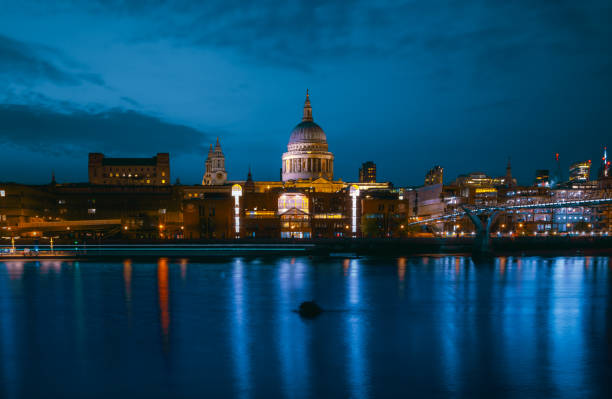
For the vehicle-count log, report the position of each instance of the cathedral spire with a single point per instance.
(307, 109)
(217, 146)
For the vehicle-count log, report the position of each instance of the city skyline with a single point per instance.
(387, 84)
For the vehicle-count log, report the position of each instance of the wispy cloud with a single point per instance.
(305, 32)
(27, 63)
(70, 130)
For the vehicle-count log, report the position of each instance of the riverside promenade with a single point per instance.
(334, 248)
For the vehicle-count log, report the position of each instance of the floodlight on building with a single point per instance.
(237, 193)
(354, 193)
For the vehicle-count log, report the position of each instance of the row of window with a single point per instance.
(121, 170)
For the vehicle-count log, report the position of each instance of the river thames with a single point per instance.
(430, 326)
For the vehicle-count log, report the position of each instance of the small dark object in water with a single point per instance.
(309, 309)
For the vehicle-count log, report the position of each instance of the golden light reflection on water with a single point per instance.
(401, 274)
(401, 268)
(127, 280)
(163, 292)
(183, 269)
(502, 265)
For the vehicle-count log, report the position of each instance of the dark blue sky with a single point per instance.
(407, 84)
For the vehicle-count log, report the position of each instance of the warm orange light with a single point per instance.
(161, 226)
(125, 227)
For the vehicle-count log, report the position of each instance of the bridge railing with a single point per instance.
(502, 208)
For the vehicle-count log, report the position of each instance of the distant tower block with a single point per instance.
(367, 172)
(434, 176)
(509, 180)
(215, 174)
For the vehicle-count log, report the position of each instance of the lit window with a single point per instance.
(148, 181)
(2, 193)
(91, 211)
(163, 173)
(163, 181)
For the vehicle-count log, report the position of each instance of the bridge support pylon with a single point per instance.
(482, 240)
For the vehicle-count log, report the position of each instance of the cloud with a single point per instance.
(26, 63)
(73, 131)
(301, 33)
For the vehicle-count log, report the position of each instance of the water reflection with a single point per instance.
(293, 338)
(9, 366)
(163, 293)
(127, 284)
(239, 333)
(14, 269)
(356, 324)
(401, 274)
(183, 264)
(523, 326)
(127, 281)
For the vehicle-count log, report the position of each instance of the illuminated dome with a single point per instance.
(308, 134)
(307, 156)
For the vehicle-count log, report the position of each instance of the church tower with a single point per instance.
(215, 174)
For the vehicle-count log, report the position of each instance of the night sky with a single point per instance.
(407, 84)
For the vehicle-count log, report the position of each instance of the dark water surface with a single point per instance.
(409, 327)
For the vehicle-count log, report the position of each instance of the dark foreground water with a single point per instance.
(409, 327)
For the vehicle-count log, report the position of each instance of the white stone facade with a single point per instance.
(307, 155)
(215, 174)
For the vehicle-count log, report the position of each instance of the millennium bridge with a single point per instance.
(483, 216)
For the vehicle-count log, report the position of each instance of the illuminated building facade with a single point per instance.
(208, 215)
(154, 171)
(580, 171)
(215, 174)
(542, 178)
(307, 155)
(382, 214)
(604, 169)
(434, 176)
(294, 213)
(367, 172)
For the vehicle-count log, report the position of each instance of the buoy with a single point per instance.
(309, 309)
